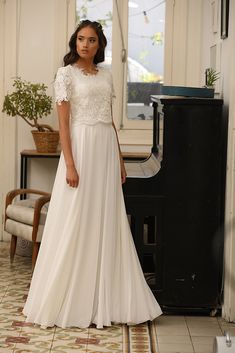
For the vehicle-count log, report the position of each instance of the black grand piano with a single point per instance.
(175, 202)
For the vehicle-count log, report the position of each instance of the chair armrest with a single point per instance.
(37, 210)
(13, 193)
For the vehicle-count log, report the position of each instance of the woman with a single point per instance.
(87, 269)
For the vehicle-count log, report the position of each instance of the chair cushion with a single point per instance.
(23, 230)
(23, 211)
(20, 219)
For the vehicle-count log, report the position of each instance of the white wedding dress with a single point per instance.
(87, 269)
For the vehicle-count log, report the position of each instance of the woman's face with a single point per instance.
(87, 43)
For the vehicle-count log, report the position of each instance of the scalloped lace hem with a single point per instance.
(60, 100)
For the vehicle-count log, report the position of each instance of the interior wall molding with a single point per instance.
(183, 42)
(229, 245)
(2, 19)
(65, 19)
(8, 62)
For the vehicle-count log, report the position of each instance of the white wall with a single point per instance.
(40, 29)
(183, 43)
(1, 101)
(228, 86)
(35, 36)
(193, 44)
(223, 61)
(35, 63)
(8, 126)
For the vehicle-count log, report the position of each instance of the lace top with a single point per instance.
(90, 96)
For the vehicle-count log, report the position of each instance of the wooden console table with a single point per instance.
(28, 154)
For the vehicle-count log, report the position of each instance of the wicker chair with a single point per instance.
(26, 218)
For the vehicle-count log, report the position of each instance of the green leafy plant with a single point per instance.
(82, 13)
(211, 77)
(30, 102)
(157, 38)
(151, 77)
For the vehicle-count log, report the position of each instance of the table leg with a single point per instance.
(23, 174)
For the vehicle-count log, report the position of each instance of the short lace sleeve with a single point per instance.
(62, 85)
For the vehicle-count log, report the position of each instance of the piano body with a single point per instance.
(175, 201)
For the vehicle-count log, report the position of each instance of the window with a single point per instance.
(101, 11)
(135, 30)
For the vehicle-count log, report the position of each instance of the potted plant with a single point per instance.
(31, 103)
(211, 77)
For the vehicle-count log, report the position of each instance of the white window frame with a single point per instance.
(119, 71)
(135, 134)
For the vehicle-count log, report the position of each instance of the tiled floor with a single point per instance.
(171, 334)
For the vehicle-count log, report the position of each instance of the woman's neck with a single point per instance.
(86, 64)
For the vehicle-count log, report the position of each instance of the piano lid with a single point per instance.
(144, 169)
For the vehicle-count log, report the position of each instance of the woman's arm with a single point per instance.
(123, 169)
(63, 110)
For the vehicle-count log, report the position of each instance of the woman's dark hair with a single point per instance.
(72, 56)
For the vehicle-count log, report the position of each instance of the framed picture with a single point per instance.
(224, 18)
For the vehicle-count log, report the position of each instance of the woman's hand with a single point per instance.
(72, 177)
(123, 171)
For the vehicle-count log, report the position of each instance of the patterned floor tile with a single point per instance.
(71, 340)
(24, 337)
(7, 340)
(3, 288)
(20, 337)
(40, 347)
(17, 336)
(14, 295)
(6, 347)
(139, 338)
(33, 339)
(153, 336)
(11, 308)
(5, 278)
(68, 335)
(67, 346)
(35, 333)
(107, 340)
(71, 330)
(6, 325)
(6, 350)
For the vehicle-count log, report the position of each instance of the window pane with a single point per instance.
(145, 55)
(101, 11)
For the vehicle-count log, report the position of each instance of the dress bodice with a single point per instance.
(90, 95)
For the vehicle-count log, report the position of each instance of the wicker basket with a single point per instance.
(46, 141)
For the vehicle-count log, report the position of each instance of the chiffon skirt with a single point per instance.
(87, 270)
